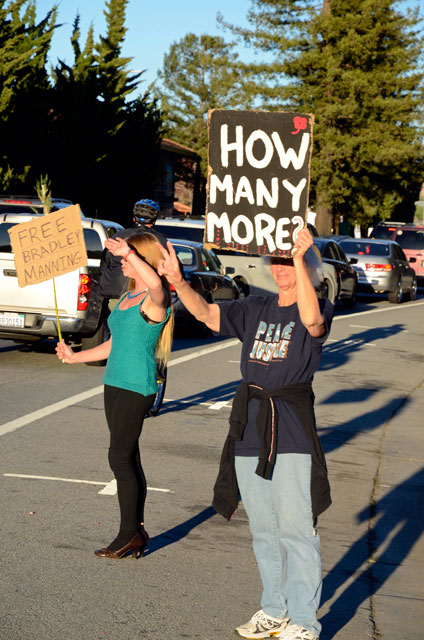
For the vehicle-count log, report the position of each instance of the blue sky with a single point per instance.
(152, 26)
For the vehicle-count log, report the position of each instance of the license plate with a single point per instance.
(16, 320)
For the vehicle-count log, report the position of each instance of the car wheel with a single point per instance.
(327, 291)
(412, 293)
(243, 287)
(350, 302)
(102, 334)
(395, 297)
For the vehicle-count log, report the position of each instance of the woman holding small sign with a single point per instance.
(272, 455)
(141, 331)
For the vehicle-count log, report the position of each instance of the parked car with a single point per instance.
(249, 272)
(205, 274)
(347, 279)
(28, 314)
(382, 267)
(410, 237)
(30, 204)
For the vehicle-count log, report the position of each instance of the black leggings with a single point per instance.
(125, 411)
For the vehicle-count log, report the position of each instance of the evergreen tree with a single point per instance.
(76, 130)
(116, 83)
(355, 64)
(199, 73)
(24, 88)
(108, 146)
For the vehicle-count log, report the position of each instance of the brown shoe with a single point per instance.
(136, 545)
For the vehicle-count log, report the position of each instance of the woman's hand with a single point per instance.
(303, 241)
(117, 246)
(169, 266)
(65, 353)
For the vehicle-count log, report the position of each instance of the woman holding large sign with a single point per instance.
(272, 454)
(141, 327)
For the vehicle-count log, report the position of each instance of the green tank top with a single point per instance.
(131, 364)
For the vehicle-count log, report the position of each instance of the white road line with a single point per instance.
(203, 352)
(80, 397)
(46, 411)
(210, 405)
(364, 344)
(391, 308)
(23, 475)
(216, 406)
(63, 404)
(109, 488)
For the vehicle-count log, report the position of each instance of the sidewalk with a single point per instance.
(399, 525)
(382, 597)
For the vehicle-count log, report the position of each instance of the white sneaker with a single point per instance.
(261, 625)
(295, 632)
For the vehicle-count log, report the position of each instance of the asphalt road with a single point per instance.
(199, 578)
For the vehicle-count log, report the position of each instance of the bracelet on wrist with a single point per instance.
(127, 254)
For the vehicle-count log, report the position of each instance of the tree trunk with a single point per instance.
(324, 220)
(336, 223)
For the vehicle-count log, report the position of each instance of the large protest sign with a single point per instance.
(48, 246)
(258, 180)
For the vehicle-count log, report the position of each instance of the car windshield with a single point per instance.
(185, 233)
(410, 239)
(365, 248)
(384, 233)
(185, 255)
(5, 238)
(20, 208)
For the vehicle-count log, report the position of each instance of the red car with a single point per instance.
(410, 237)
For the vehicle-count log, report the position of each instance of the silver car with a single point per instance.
(382, 267)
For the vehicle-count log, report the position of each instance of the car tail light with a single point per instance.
(378, 267)
(84, 287)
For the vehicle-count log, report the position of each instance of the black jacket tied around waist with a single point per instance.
(300, 398)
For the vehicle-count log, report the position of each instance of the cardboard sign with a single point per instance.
(48, 246)
(258, 180)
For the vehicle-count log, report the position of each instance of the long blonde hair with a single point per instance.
(146, 247)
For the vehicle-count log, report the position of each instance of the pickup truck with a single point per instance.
(28, 314)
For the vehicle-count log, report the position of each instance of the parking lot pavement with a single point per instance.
(399, 526)
(199, 578)
(370, 405)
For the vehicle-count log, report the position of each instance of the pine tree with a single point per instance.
(76, 128)
(355, 64)
(108, 144)
(199, 73)
(115, 82)
(24, 45)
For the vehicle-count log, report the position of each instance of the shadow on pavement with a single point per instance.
(178, 532)
(396, 522)
(187, 341)
(334, 437)
(336, 354)
(222, 393)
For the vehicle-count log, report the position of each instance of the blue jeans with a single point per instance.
(286, 545)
